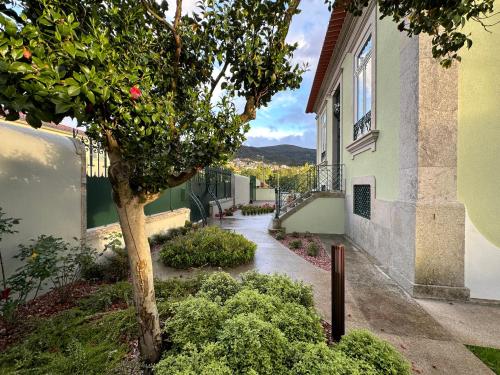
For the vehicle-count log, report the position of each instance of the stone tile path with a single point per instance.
(373, 300)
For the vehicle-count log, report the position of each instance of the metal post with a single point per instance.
(338, 292)
(277, 203)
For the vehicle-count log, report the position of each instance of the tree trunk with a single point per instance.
(132, 222)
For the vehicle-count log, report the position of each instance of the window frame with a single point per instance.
(367, 32)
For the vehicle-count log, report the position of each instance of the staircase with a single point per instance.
(319, 181)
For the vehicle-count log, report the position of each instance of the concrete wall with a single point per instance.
(154, 224)
(478, 157)
(241, 189)
(321, 215)
(263, 194)
(42, 181)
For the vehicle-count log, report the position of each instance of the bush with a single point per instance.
(251, 301)
(312, 249)
(250, 343)
(208, 246)
(361, 345)
(279, 285)
(319, 359)
(208, 361)
(295, 244)
(296, 234)
(299, 323)
(218, 287)
(196, 320)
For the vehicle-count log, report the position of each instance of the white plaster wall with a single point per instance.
(321, 215)
(41, 183)
(241, 189)
(96, 237)
(482, 264)
(263, 194)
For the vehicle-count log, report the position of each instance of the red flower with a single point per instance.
(26, 53)
(135, 92)
(5, 294)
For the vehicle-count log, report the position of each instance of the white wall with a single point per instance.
(41, 182)
(482, 264)
(241, 189)
(263, 194)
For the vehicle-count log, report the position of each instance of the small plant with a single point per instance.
(307, 234)
(280, 236)
(312, 249)
(296, 234)
(295, 244)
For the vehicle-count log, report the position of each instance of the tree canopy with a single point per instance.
(444, 20)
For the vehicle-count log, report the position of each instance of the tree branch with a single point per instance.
(249, 113)
(156, 15)
(178, 43)
(219, 77)
(174, 181)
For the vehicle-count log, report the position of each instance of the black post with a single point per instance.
(277, 203)
(338, 292)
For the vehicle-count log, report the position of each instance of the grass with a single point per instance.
(490, 356)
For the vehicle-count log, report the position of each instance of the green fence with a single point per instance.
(101, 209)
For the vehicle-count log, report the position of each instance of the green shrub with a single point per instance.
(175, 289)
(208, 246)
(319, 359)
(298, 323)
(313, 249)
(106, 297)
(251, 301)
(296, 234)
(280, 236)
(218, 287)
(361, 345)
(295, 244)
(307, 234)
(250, 343)
(208, 361)
(196, 320)
(279, 285)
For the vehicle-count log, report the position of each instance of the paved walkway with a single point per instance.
(373, 301)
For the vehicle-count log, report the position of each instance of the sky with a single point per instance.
(284, 120)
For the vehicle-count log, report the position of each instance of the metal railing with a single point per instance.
(319, 178)
(363, 126)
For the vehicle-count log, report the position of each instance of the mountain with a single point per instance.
(280, 154)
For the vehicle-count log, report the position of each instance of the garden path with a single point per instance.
(373, 300)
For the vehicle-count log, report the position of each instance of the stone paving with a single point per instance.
(373, 301)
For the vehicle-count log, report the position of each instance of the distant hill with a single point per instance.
(280, 154)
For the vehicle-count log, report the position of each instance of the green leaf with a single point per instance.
(63, 107)
(91, 96)
(20, 67)
(70, 48)
(73, 90)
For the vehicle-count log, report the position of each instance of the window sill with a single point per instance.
(367, 142)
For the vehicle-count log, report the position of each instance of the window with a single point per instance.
(323, 124)
(363, 81)
(362, 200)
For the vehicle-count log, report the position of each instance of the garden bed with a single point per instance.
(322, 259)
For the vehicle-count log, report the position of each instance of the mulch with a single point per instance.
(43, 306)
(322, 260)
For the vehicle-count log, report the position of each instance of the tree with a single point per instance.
(143, 86)
(443, 20)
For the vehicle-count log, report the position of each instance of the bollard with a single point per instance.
(338, 293)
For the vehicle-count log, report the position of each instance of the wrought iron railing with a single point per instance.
(319, 178)
(96, 157)
(363, 126)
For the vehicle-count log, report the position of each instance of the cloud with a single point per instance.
(272, 133)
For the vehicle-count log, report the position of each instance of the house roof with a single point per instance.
(332, 34)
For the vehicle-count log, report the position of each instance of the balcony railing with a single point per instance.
(363, 126)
